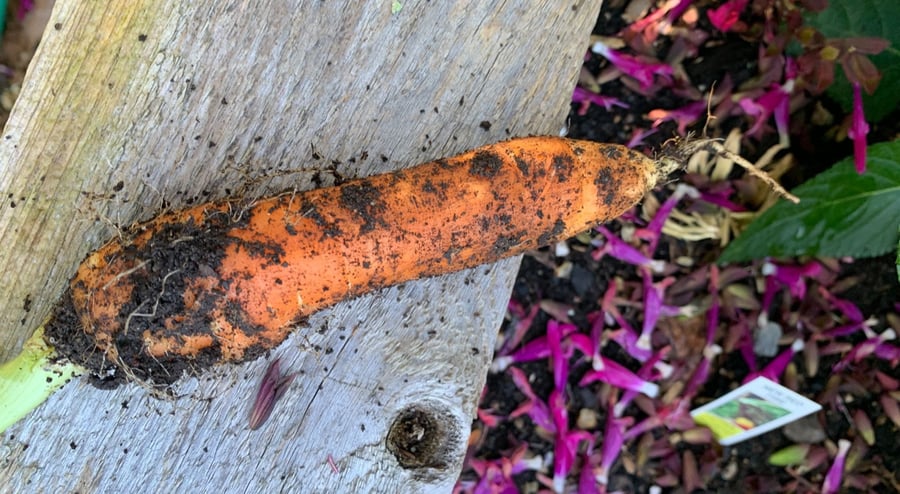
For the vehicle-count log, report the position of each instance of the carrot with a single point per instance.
(216, 283)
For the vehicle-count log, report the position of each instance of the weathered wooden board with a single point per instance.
(130, 106)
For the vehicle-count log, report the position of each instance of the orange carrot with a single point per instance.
(223, 283)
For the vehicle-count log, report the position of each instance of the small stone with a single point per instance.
(765, 341)
(806, 430)
(587, 419)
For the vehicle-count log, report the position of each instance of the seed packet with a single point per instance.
(755, 408)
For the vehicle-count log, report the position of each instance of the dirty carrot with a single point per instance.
(221, 283)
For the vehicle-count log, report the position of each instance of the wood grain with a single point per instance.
(130, 107)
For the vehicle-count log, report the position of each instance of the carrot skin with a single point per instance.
(227, 283)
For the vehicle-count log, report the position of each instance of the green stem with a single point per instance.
(30, 378)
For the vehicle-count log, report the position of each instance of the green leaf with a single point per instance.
(862, 18)
(794, 454)
(841, 213)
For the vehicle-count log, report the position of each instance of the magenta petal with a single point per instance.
(533, 406)
(522, 320)
(271, 388)
(722, 201)
(836, 472)
(886, 351)
(558, 412)
(637, 137)
(634, 67)
(782, 113)
(652, 303)
(582, 95)
(653, 307)
(684, 116)
(877, 345)
(653, 368)
(613, 439)
(622, 251)
(858, 130)
(535, 349)
(724, 17)
(848, 308)
(557, 359)
(628, 340)
(776, 367)
(653, 230)
(701, 373)
(25, 6)
(793, 277)
(521, 381)
(613, 373)
(564, 452)
(586, 481)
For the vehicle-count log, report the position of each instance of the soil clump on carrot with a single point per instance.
(159, 294)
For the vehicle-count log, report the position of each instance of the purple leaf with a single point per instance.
(724, 17)
(618, 248)
(25, 6)
(271, 389)
(653, 308)
(651, 233)
(858, 130)
(776, 367)
(613, 440)
(533, 406)
(521, 319)
(611, 372)
(684, 116)
(835, 474)
(559, 362)
(875, 345)
(638, 136)
(640, 69)
(653, 368)
(586, 98)
(774, 102)
(701, 372)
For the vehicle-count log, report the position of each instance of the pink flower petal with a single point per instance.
(271, 388)
(613, 373)
(684, 116)
(613, 440)
(835, 473)
(724, 17)
(858, 130)
(643, 71)
(776, 367)
(586, 98)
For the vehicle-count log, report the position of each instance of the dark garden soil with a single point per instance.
(872, 286)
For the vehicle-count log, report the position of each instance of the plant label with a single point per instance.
(755, 408)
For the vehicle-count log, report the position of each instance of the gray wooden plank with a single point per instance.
(131, 105)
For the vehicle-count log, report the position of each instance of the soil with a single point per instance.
(743, 467)
(147, 278)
